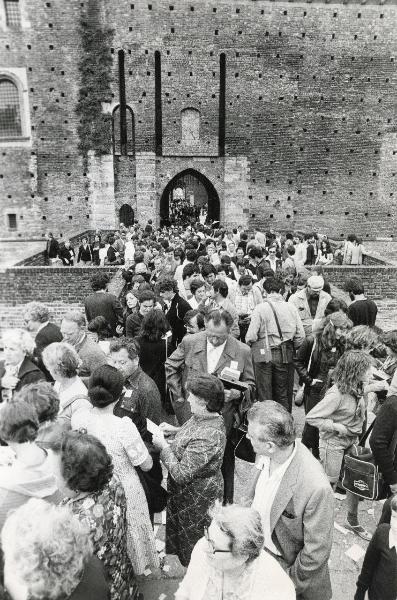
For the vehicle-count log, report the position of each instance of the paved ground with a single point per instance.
(161, 585)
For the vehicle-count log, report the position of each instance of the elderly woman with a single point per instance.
(30, 474)
(193, 460)
(228, 562)
(17, 369)
(339, 417)
(125, 446)
(45, 401)
(63, 362)
(70, 572)
(84, 472)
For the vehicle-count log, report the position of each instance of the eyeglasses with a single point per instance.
(212, 545)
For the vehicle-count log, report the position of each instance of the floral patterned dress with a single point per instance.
(104, 513)
(194, 483)
(124, 444)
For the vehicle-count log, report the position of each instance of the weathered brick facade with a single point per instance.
(310, 113)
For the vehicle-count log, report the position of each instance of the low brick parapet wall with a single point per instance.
(380, 280)
(61, 288)
(19, 285)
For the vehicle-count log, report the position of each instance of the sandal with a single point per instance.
(359, 530)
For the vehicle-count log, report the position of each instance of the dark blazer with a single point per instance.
(106, 305)
(383, 440)
(85, 253)
(310, 255)
(191, 357)
(28, 373)
(175, 314)
(302, 523)
(133, 324)
(152, 357)
(52, 248)
(379, 571)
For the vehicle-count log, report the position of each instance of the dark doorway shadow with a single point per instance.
(126, 215)
(185, 194)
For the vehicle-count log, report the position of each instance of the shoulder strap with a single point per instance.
(364, 437)
(311, 355)
(276, 319)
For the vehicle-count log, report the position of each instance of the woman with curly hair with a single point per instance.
(363, 338)
(127, 449)
(48, 555)
(63, 363)
(314, 361)
(155, 347)
(339, 417)
(45, 401)
(84, 472)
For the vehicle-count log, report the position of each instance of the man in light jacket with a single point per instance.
(311, 302)
(292, 494)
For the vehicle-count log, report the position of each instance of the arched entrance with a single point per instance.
(126, 215)
(185, 196)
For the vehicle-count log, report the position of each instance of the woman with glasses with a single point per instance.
(194, 460)
(228, 562)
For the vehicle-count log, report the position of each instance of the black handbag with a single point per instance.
(360, 474)
(156, 495)
(242, 445)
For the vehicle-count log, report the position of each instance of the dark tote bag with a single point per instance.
(360, 474)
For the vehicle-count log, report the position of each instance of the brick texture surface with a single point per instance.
(310, 113)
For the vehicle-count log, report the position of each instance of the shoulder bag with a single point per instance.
(286, 345)
(360, 474)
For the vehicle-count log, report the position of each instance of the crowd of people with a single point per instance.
(118, 247)
(142, 403)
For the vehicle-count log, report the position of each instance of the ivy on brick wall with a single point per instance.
(95, 77)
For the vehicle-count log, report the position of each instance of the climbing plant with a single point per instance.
(95, 78)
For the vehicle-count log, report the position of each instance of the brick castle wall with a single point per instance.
(62, 289)
(310, 112)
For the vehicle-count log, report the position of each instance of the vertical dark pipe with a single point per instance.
(222, 104)
(158, 118)
(123, 105)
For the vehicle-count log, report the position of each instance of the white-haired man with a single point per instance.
(294, 498)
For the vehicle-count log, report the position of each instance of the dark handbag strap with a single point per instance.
(276, 319)
(364, 437)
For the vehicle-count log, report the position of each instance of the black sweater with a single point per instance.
(383, 440)
(379, 571)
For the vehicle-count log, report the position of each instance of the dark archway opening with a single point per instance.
(187, 197)
(126, 215)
